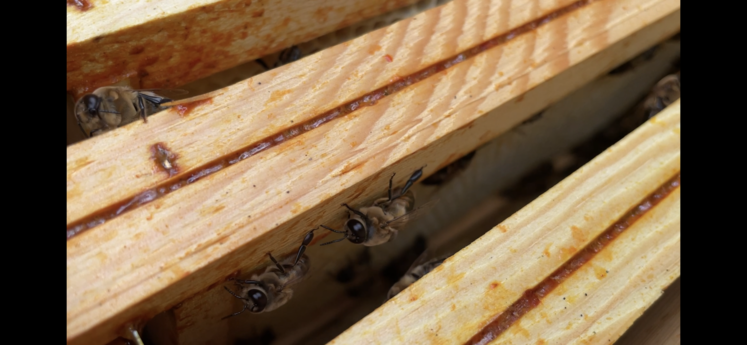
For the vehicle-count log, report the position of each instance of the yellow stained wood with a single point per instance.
(153, 257)
(596, 307)
(484, 278)
(167, 43)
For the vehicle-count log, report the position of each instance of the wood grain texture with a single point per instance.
(167, 43)
(249, 112)
(196, 323)
(596, 307)
(486, 277)
(153, 257)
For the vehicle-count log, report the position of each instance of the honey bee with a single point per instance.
(113, 106)
(417, 270)
(379, 223)
(270, 290)
(666, 91)
(286, 56)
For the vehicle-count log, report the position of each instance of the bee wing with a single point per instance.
(421, 259)
(168, 93)
(295, 280)
(160, 96)
(415, 213)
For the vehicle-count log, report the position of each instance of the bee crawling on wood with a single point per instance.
(666, 91)
(110, 107)
(271, 289)
(380, 222)
(417, 270)
(286, 56)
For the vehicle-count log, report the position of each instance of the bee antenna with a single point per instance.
(233, 293)
(333, 230)
(234, 314)
(335, 241)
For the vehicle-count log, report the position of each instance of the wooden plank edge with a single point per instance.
(268, 104)
(486, 277)
(166, 43)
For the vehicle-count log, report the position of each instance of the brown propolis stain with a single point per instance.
(165, 158)
(533, 296)
(186, 108)
(83, 5)
(396, 84)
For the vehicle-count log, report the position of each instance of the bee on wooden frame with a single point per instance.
(110, 107)
(286, 56)
(272, 289)
(665, 92)
(379, 223)
(420, 267)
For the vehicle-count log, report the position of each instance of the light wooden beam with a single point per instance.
(152, 257)
(167, 43)
(594, 305)
(247, 113)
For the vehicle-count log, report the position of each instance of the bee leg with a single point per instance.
(276, 263)
(415, 176)
(306, 240)
(142, 109)
(390, 186)
(355, 211)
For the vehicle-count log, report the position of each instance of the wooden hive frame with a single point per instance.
(331, 128)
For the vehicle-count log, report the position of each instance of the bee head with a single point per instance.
(355, 230)
(355, 227)
(91, 104)
(257, 300)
